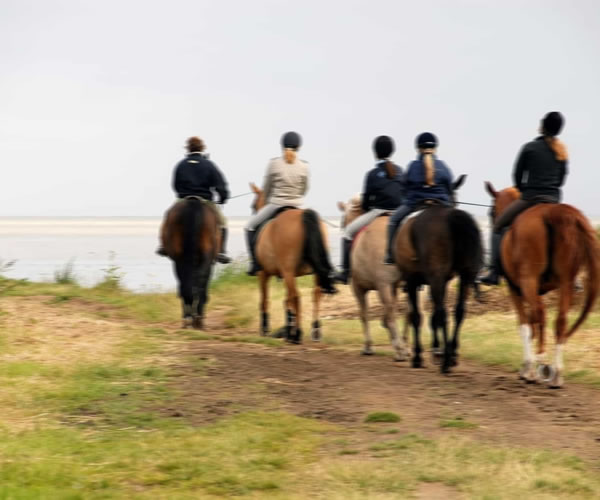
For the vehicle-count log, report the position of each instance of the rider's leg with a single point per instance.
(222, 256)
(503, 221)
(161, 250)
(255, 221)
(395, 220)
(350, 232)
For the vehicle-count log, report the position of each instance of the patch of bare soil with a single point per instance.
(320, 382)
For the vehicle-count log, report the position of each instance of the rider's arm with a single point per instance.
(177, 180)
(219, 183)
(366, 192)
(268, 182)
(519, 169)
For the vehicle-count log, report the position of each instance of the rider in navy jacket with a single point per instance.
(427, 178)
(381, 191)
(196, 175)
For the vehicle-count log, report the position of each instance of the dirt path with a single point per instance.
(320, 382)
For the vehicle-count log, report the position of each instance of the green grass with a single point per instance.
(382, 416)
(457, 423)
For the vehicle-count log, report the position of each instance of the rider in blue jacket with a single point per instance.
(427, 178)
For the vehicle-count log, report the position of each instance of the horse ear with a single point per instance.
(490, 189)
(254, 188)
(459, 182)
(341, 206)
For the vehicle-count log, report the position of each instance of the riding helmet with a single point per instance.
(552, 123)
(383, 146)
(426, 140)
(291, 140)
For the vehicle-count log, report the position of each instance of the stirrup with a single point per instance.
(342, 277)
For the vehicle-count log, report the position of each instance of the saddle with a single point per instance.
(279, 211)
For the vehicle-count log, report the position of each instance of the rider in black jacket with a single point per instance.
(539, 173)
(196, 175)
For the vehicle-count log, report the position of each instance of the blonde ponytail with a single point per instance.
(559, 148)
(429, 166)
(289, 155)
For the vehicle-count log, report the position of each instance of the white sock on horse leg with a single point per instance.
(558, 357)
(525, 331)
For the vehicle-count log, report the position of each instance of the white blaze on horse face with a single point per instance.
(558, 357)
(526, 338)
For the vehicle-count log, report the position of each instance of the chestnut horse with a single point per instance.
(430, 249)
(543, 250)
(370, 273)
(191, 239)
(290, 245)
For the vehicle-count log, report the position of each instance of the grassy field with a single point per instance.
(87, 378)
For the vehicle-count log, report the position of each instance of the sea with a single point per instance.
(37, 248)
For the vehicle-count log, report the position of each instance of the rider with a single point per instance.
(382, 193)
(285, 184)
(197, 176)
(539, 172)
(427, 178)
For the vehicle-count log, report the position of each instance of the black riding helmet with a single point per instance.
(383, 147)
(426, 140)
(291, 140)
(552, 123)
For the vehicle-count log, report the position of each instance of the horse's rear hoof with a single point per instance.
(187, 322)
(198, 323)
(367, 352)
(436, 356)
(417, 363)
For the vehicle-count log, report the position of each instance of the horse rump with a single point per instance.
(315, 252)
(573, 234)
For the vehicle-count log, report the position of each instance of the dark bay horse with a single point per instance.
(370, 273)
(292, 244)
(431, 248)
(191, 238)
(543, 250)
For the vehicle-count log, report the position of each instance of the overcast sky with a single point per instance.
(97, 98)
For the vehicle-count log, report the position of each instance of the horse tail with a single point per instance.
(466, 241)
(191, 222)
(315, 252)
(571, 227)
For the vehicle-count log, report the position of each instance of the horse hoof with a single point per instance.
(399, 358)
(436, 356)
(417, 363)
(546, 373)
(367, 352)
(187, 322)
(198, 323)
(315, 335)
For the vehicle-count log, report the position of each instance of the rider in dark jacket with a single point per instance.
(427, 178)
(383, 191)
(539, 172)
(196, 175)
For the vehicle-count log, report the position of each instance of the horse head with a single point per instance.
(259, 200)
(350, 210)
(502, 199)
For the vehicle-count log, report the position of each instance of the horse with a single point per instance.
(544, 249)
(191, 239)
(431, 248)
(292, 244)
(370, 273)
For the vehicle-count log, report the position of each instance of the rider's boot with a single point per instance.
(389, 254)
(222, 256)
(344, 274)
(493, 275)
(161, 251)
(250, 241)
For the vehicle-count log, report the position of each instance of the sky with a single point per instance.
(97, 98)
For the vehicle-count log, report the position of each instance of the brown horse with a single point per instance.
(292, 244)
(191, 238)
(430, 249)
(544, 249)
(370, 273)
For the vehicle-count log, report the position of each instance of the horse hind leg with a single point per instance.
(264, 303)
(361, 297)
(438, 295)
(415, 317)
(388, 301)
(315, 332)
(527, 371)
(185, 292)
(294, 333)
(564, 302)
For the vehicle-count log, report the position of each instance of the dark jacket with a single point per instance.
(537, 171)
(418, 191)
(380, 191)
(198, 176)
